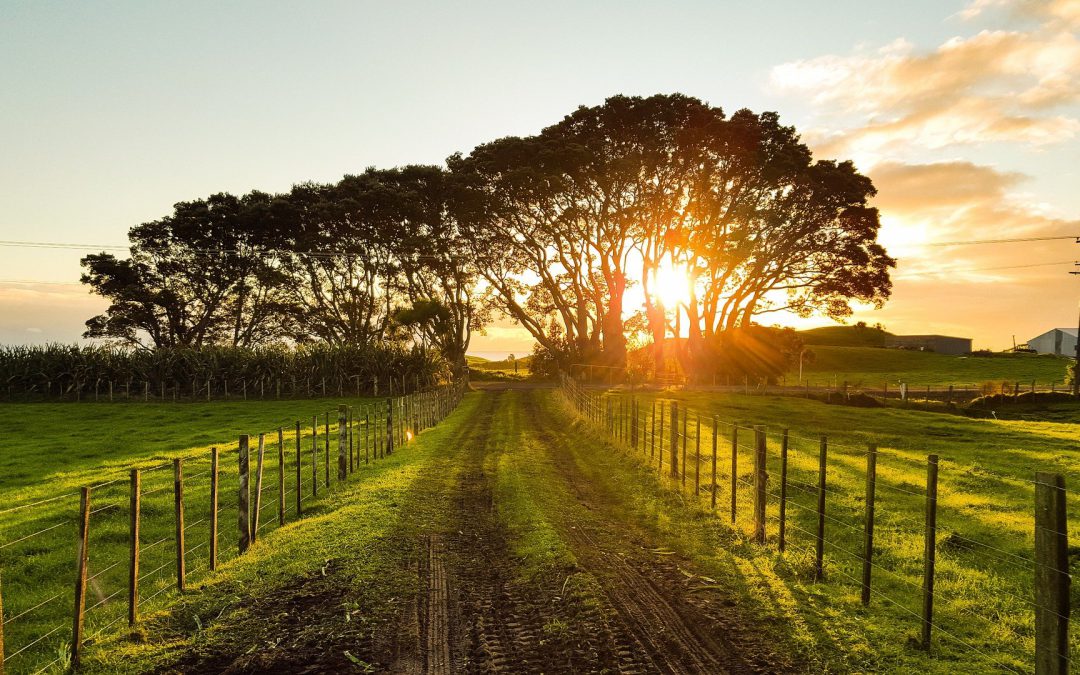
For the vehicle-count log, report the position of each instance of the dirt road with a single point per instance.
(521, 564)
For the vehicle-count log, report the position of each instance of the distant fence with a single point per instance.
(149, 531)
(903, 539)
(956, 393)
(215, 388)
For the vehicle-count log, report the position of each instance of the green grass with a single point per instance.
(985, 520)
(984, 543)
(361, 536)
(95, 445)
(872, 367)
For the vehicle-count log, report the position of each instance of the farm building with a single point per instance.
(1060, 341)
(942, 344)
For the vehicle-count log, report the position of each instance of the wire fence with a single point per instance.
(141, 537)
(210, 388)
(988, 576)
(835, 387)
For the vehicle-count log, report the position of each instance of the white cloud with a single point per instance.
(1017, 86)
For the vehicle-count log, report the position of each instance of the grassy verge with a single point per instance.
(51, 450)
(357, 545)
(984, 616)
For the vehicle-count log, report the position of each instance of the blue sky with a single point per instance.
(111, 112)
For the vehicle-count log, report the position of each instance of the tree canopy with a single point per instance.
(569, 232)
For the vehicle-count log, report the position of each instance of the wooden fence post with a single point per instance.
(697, 458)
(660, 444)
(178, 507)
(389, 426)
(326, 446)
(135, 512)
(734, 469)
(715, 430)
(819, 542)
(929, 550)
(349, 426)
(684, 436)
(868, 538)
(367, 434)
(652, 436)
(243, 519)
(761, 479)
(258, 488)
(783, 489)
(80, 577)
(343, 443)
(299, 475)
(213, 507)
(674, 457)
(314, 455)
(281, 475)
(1051, 575)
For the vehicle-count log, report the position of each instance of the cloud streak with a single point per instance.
(994, 86)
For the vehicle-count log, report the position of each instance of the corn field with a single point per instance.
(74, 373)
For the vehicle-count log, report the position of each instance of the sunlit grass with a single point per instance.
(984, 595)
(872, 367)
(49, 451)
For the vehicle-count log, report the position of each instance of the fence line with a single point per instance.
(846, 518)
(177, 526)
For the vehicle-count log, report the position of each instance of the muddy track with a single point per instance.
(498, 622)
(493, 628)
(649, 596)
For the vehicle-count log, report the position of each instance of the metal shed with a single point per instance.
(1061, 341)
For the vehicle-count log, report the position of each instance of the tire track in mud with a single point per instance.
(648, 597)
(499, 622)
(498, 630)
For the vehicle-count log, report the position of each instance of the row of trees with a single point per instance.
(554, 230)
(372, 259)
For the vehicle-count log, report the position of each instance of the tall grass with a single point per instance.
(75, 372)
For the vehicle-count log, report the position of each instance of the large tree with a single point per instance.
(197, 277)
(558, 219)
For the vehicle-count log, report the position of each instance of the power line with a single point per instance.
(208, 251)
(31, 282)
(972, 242)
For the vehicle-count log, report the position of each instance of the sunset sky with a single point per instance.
(965, 114)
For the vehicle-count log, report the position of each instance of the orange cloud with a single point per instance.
(926, 205)
(994, 86)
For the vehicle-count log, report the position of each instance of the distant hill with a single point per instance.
(845, 336)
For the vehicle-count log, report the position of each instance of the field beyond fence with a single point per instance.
(973, 563)
(77, 565)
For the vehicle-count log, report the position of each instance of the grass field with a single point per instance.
(95, 445)
(872, 367)
(356, 542)
(355, 550)
(985, 520)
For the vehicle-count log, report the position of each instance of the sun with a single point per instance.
(670, 284)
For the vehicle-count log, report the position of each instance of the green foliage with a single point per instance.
(754, 352)
(321, 263)
(551, 218)
(858, 335)
(73, 371)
